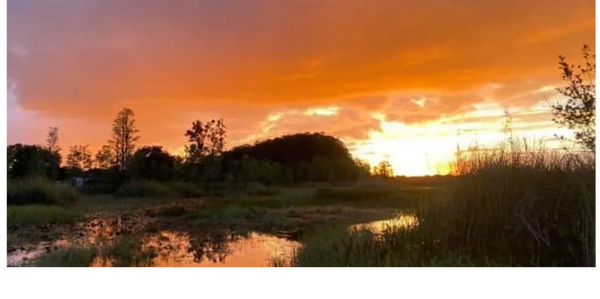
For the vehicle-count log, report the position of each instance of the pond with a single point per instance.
(180, 249)
(251, 250)
(200, 249)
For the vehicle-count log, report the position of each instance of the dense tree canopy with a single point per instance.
(31, 160)
(293, 158)
(152, 162)
(289, 149)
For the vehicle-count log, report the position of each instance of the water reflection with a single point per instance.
(18, 257)
(217, 248)
(98, 232)
(402, 221)
(179, 249)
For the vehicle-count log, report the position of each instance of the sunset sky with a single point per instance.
(397, 80)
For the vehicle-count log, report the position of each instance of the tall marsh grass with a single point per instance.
(40, 191)
(517, 204)
(36, 215)
(67, 257)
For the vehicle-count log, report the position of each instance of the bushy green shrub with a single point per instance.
(40, 191)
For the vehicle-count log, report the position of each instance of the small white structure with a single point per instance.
(78, 182)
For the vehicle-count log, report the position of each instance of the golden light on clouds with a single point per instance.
(403, 81)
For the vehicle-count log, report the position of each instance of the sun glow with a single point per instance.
(329, 111)
(428, 148)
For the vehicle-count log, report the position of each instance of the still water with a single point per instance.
(182, 249)
(403, 221)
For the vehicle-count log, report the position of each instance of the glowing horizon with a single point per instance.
(402, 81)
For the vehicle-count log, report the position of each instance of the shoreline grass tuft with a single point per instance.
(36, 215)
(40, 191)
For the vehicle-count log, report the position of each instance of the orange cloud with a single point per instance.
(76, 63)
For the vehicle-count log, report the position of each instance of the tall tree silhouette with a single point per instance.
(52, 140)
(205, 140)
(52, 146)
(124, 136)
(216, 135)
(206, 143)
(195, 147)
(214, 147)
(579, 112)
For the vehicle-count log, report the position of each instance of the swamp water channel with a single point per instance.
(172, 248)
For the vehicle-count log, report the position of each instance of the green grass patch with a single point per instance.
(145, 189)
(36, 215)
(40, 191)
(372, 196)
(230, 213)
(187, 190)
(127, 252)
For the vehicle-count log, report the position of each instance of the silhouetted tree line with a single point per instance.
(32, 160)
(286, 160)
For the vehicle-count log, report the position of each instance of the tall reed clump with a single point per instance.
(511, 205)
(40, 191)
(518, 204)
